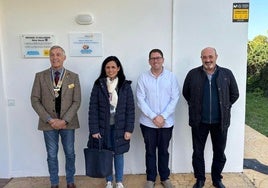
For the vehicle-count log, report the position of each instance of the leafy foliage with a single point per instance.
(257, 65)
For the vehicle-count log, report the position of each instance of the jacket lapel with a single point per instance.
(48, 81)
(65, 82)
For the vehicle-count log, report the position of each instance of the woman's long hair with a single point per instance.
(120, 74)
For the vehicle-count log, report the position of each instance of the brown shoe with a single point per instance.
(54, 186)
(71, 185)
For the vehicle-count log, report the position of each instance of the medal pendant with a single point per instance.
(56, 94)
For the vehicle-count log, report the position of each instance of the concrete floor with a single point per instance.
(256, 147)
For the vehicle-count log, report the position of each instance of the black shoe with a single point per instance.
(199, 184)
(71, 185)
(218, 184)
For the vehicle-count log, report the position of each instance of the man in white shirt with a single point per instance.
(157, 95)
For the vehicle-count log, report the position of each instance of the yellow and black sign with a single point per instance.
(240, 12)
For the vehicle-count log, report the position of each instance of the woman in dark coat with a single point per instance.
(111, 114)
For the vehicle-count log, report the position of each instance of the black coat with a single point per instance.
(193, 93)
(99, 114)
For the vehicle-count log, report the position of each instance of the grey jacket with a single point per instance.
(43, 99)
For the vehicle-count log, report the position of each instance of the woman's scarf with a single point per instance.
(111, 85)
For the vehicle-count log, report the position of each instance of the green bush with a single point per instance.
(257, 64)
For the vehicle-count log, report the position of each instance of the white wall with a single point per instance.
(198, 25)
(130, 30)
(4, 146)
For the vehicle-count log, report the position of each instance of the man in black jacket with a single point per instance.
(210, 91)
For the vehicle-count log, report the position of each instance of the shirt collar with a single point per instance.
(60, 70)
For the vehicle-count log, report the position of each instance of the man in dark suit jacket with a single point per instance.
(210, 91)
(56, 98)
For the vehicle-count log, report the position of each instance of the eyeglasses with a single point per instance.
(207, 57)
(155, 58)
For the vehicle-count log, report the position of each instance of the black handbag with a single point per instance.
(99, 162)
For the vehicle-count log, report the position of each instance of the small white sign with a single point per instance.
(85, 44)
(36, 45)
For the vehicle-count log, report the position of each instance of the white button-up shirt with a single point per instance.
(157, 96)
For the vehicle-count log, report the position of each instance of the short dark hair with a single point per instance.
(155, 51)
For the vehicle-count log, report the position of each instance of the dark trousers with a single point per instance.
(156, 139)
(199, 138)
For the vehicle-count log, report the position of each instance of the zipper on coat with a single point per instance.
(210, 101)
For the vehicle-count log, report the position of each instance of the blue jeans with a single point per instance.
(119, 168)
(118, 159)
(156, 140)
(67, 140)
